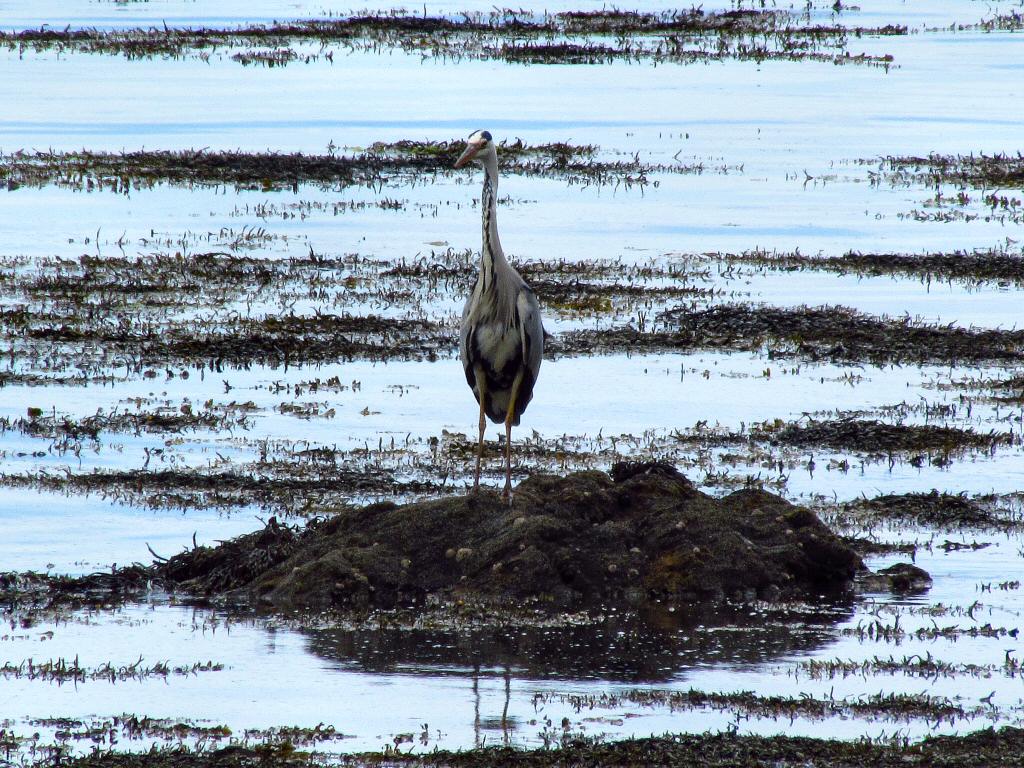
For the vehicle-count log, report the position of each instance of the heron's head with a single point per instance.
(478, 146)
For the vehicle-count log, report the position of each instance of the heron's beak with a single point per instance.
(467, 155)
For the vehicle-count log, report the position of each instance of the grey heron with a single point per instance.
(501, 341)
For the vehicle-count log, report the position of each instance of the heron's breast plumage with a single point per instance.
(501, 350)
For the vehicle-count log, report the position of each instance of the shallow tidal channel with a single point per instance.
(232, 265)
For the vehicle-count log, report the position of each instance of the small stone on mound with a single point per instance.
(901, 578)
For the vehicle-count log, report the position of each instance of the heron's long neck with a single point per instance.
(490, 253)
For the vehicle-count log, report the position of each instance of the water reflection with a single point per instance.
(657, 645)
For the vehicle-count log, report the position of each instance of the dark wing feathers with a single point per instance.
(468, 353)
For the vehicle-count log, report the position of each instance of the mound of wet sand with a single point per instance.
(642, 533)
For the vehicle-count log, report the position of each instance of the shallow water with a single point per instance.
(374, 686)
(781, 143)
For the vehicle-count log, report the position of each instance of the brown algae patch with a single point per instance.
(997, 265)
(926, 666)
(90, 316)
(871, 436)
(1013, 21)
(945, 511)
(70, 430)
(892, 707)
(97, 315)
(978, 171)
(830, 333)
(379, 164)
(288, 477)
(291, 486)
(573, 37)
(1008, 390)
(965, 188)
(274, 340)
(165, 735)
(62, 670)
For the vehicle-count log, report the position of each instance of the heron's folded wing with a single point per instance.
(532, 330)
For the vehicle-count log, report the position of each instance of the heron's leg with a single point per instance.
(481, 388)
(509, 415)
(508, 454)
